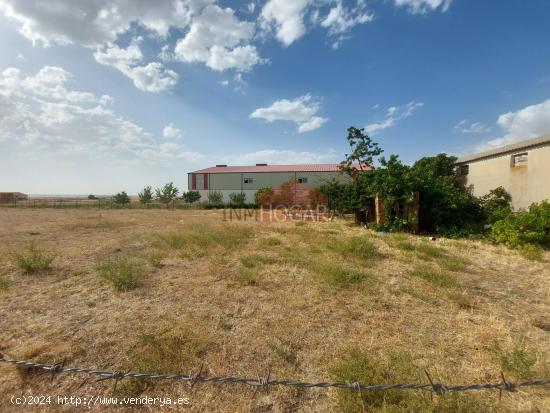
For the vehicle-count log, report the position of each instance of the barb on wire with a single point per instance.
(265, 382)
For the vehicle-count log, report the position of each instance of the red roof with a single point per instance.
(316, 167)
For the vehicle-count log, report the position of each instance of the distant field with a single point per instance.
(167, 290)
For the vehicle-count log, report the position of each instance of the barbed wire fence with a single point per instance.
(264, 382)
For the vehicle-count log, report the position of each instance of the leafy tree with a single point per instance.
(237, 198)
(215, 198)
(191, 196)
(145, 196)
(363, 151)
(121, 198)
(264, 196)
(167, 193)
(496, 205)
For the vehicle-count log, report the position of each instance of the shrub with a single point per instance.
(264, 196)
(191, 196)
(122, 271)
(33, 260)
(215, 198)
(121, 198)
(524, 227)
(237, 198)
(496, 205)
(146, 196)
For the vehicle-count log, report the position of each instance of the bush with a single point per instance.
(33, 260)
(191, 196)
(121, 198)
(531, 252)
(496, 205)
(237, 199)
(215, 198)
(123, 272)
(264, 196)
(524, 227)
(167, 193)
(146, 196)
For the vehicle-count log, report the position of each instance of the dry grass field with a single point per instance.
(166, 291)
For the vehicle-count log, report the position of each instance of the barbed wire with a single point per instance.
(263, 382)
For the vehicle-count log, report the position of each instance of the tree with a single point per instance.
(145, 196)
(496, 205)
(215, 198)
(264, 196)
(167, 193)
(121, 198)
(191, 196)
(237, 198)
(363, 151)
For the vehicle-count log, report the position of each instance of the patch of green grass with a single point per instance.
(205, 237)
(338, 275)
(247, 276)
(270, 242)
(168, 351)
(436, 277)
(429, 251)
(518, 362)
(453, 263)
(255, 260)
(362, 367)
(360, 247)
(406, 246)
(300, 223)
(33, 260)
(4, 283)
(531, 252)
(122, 271)
(420, 295)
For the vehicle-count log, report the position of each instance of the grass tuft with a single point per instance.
(155, 258)
(33, 260)
(437, 277)
(359, 247)
(255, 260)
(531, 252)
(518, 362)
(338, 275)
(4, 283)
(123, 272)
(247, 276)
(270, 242)
(453, 263)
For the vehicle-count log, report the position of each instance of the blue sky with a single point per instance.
(109, 95)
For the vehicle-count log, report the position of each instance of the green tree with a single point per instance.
(191, 196)
(167, 193)
(237, 198)
(145, 196)
(496, 205)
(363, 151)
(121, 198)
(264, 196)
(215, 198)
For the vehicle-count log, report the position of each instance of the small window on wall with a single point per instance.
(519, 159)
(248, 180)
(302, 180)
(464, 170)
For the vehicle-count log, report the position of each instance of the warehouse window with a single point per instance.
(248, 180)
(519, 159)
(464, 170)
(302, 180)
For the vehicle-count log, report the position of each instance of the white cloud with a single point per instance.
(423, 6)
(152, 77)
(465, 126)
(301, 111)
(98, 22)
(219, 39)
(341, 19)
(224, 82)
(287, 17)
(393, 115)
(524, 123)
(277, 156)
(39, 111)
(171, 132)
(251, 7)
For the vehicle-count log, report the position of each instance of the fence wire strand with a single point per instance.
(263, 382)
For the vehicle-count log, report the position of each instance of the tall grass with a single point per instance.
(359, 247)
(33, 259)
(123, 272)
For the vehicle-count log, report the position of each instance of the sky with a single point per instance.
(102, 96)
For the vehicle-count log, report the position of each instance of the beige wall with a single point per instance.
(526, 183)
